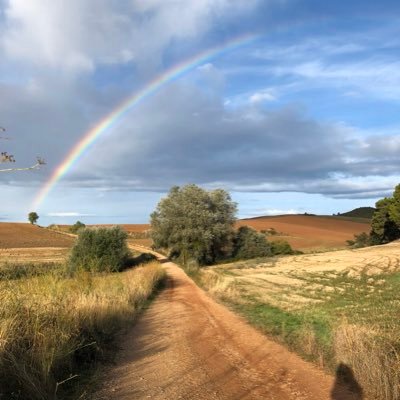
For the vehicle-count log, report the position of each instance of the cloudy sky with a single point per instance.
(303, 118)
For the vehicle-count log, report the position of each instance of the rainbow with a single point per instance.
(151, 88)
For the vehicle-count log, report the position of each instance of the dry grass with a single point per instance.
(374, 356)
(52, 326)
(303, 300)
(33, 255)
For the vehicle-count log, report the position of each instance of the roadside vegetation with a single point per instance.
(57, 321)
(343, 312)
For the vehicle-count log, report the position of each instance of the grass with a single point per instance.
(350, 319)
(55, 327)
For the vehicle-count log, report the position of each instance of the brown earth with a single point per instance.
(305, 232)
(186, 346)
(19, 235)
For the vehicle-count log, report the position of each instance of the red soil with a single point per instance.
(306, 232)
(17, 235)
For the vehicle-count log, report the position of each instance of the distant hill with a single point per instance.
(360, 212)
(310, 232)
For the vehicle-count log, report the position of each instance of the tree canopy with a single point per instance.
(385, 226)
(33, 217)
(195, 224)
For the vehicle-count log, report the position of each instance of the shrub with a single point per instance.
(100, 250)
(78, 225)
(249, 243)
(281, 247)
(360, 240)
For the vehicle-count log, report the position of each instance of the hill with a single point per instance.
(360, 212)
(308, 232)
(19, 235)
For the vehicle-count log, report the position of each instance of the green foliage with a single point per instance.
(195, 224)
(78, 225)
(249, 243)
(360, 240)
(99, 250)
(33, 217)
(385, 225)
(282, 247)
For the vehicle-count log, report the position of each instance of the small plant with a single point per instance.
(77, 226)
(360, 240)
(33, 217)
(100, 250)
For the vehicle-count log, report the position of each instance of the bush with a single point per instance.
(78, 225)
(100, 250)
(249, 243)
(281, 247)
(360, 240)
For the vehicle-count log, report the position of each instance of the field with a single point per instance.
(330, 307)
(15, 235)
(56, 324)
(310, 233)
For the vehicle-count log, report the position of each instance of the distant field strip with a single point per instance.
(33, 255)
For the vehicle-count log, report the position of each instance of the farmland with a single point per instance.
(310, 233)
(330, 307)
(55, 323)
(304, 232)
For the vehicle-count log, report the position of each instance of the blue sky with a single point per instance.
(302, 119)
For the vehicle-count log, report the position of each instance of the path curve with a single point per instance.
(187, 346)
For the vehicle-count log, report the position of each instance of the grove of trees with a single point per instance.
(197, 225)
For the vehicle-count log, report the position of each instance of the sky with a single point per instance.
(301, 117)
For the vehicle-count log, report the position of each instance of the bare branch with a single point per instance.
(9, 158)
(39, 163)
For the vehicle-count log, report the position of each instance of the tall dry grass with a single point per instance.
(374, 357)
(52, 327)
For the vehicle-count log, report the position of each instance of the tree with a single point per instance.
(5, 157)
(385, 225)
(77, 226)
(33, 217)
(195, 224)
(249, 243)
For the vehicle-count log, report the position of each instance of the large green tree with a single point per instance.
(385, 225)
(195, 224)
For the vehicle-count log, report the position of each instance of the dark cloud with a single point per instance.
(185, 135)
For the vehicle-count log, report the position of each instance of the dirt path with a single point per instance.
(186, 346)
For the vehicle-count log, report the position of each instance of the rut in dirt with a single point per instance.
(187, 346)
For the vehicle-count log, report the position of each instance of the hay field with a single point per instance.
(26, 243)
(309, 233)
(332, 307)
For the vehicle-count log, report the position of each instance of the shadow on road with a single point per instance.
(346, 386)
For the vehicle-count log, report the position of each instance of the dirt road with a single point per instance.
(186, 346)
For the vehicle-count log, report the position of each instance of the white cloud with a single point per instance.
(69, 214)
(77, 35)
(259, 97)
